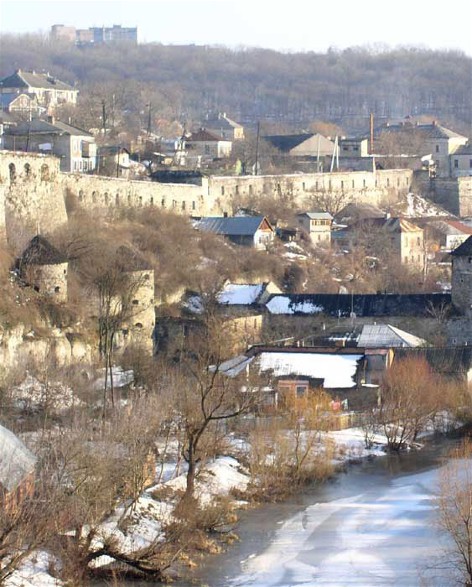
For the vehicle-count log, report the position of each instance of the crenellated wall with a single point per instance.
(31, 194)
(35, 195)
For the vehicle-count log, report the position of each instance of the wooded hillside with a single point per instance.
(290, 89)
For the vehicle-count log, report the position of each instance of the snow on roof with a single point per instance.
(375, 335)
(238, 293)
(16, 461)
(284, 305)
(337, 371)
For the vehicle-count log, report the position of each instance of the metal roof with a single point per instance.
(386, 335)
(342, 305)
(233, 226)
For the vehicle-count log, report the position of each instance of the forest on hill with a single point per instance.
(287, 91)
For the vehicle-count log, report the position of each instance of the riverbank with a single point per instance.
(154, 510)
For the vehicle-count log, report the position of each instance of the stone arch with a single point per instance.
(44, 172)
(81, 196)
(27, 169)
(12, 171)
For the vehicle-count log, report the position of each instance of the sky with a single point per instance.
(286, 25)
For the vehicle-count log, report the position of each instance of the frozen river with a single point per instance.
(372, 526)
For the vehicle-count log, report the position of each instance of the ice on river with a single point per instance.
(383, 536)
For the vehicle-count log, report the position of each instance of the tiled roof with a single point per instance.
(32, 79)
(233, 226)
(16, 461)
(41, 252)
(41, 127)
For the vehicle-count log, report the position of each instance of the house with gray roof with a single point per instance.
(224, 127)
(75, 147)
(249, 231)
(317, 225)
(461, 161)
(208, 145)
(388, 336)
(48, 90)
(304, 145)
(17, 470)
(417, 139)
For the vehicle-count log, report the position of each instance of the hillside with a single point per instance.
(284, 89)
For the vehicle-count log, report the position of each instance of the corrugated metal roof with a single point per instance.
(16, 461)
(385, 335)
(233, 226)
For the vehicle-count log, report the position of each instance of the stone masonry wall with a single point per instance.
(454, 194)
(31, 195)
(34, 193)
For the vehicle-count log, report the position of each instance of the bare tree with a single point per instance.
(455, 509)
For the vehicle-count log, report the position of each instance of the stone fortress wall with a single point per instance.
(454, 194)
(34, 194)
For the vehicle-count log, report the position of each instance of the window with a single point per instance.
(456, 163)
(355, 148)
(388, 181)
(138, 325)
(57, 289)
(353, 184)
(250, 189)
(194, 206)
(303, 186)
(44, 173)
(135, 302)
(183, 205)
(470, 163)
(207, 149)
(151, 201)
(363, 182)
(437, 148)
(222, 190)
(342, 185)
(236, 189)
(27, 169)
(300, 390)
(418, 241)
(163, 203)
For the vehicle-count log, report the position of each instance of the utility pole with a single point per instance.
(104, 118)
(371, 151)
(149, 120)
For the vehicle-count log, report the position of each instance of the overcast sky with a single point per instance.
(293, 25)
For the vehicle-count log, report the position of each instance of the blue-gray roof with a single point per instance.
(233, 226)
